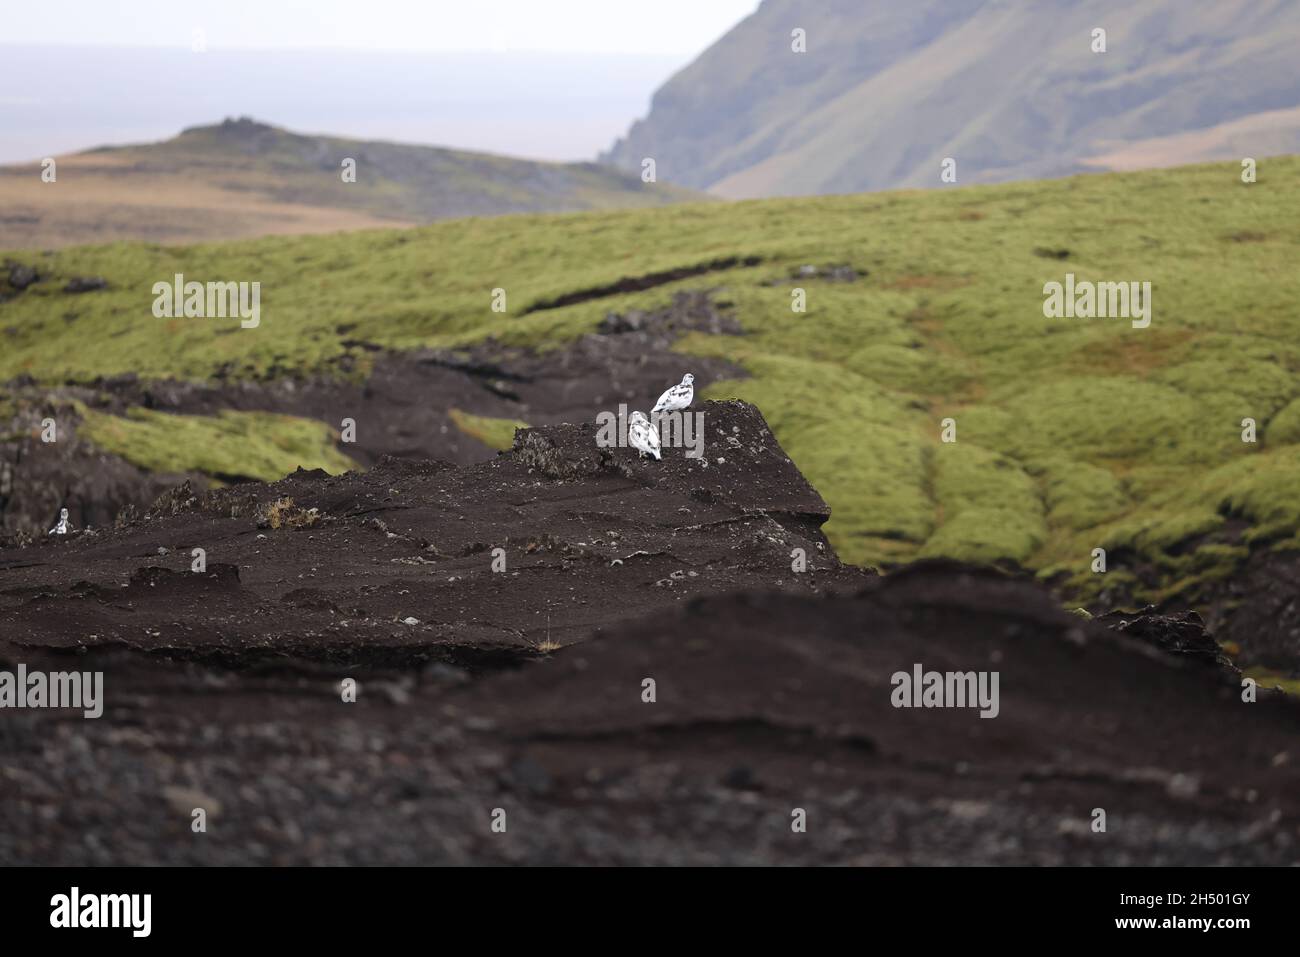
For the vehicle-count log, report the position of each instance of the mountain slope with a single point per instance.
(1009, 88)
(243, 178)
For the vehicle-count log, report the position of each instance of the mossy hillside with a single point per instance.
(1072, 434)
(227, 446)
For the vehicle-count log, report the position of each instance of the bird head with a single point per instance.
(688, 379)
(637, 417)
(63, 513)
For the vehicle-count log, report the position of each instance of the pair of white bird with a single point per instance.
(643, 436)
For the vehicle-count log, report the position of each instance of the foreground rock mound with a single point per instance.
(643, 678)
(545, 545)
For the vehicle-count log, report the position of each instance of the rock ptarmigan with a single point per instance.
(678, 397)
(62, 527)
(642, 436)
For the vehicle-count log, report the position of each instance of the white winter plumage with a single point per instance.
(678, 397)
(62, 527)
(642, 436)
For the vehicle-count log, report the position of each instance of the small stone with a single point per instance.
(528, 776)
(393, 691)
(86, 284)
(20, 276)
(1183, 786)
(184, 800)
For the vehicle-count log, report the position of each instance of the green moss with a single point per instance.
(1078, 495)
(1251, 386)
(1274, 679)
(1284, 428)
(991, 509)
(494, 433)
(985, 535)
(230, 445)
(1073, 434)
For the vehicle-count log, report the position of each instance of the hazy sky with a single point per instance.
(593, 26)
(543, 79)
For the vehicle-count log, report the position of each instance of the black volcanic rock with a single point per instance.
(79, 284)
(646, 679)
(1182, 634)
(20, 276)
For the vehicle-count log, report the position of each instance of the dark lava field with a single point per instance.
(569, 655)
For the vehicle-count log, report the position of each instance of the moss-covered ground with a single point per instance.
(1071, 434)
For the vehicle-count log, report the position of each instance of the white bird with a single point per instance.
(678, 397)
(642, 436)
(62, 527)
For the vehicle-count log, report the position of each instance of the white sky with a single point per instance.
(677, 27)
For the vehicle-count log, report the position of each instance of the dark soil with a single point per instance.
(523, 690)
(38, 478)
(401, 408)
(1258, 610)
(641, 283)
(415, 539)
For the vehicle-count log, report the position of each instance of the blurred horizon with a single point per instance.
(530, 105)
(558, 83)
